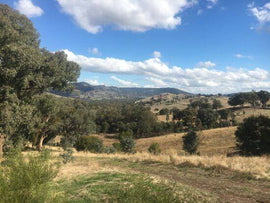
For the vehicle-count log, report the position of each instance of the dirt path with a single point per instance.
(228, 186)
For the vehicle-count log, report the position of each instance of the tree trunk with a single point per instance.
(1, 145)
(40, 144)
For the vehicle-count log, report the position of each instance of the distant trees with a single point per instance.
(252, 98)
(164, 111)
(264, 97)
(191, 142)
(217, 104)
(253, 136)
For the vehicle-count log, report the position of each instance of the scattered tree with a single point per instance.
(191, 142)
(253, 136)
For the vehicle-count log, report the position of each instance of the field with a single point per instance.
(213, 141)
(103, 178)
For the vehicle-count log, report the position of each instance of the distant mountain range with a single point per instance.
(86, 91)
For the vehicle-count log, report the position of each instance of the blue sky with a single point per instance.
(206, 46)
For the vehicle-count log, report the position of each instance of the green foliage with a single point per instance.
(109, 150)
(217, 104)
(117, 146)
(208, 117)
(89, 143)
(164, 111)
(127, 143)
(191, 142)
(144, 190)
(154, 148)
(26, 72)
(264, 97)
(67, 156)
(28, 180)
(237, 99)
(253, 136)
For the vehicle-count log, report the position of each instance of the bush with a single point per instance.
(154, 148)
(28, 181)
(67, 156)
(253, 136)
(127, 144)
(109, 150)
(117, 146)
(89, 143)
(191, 142)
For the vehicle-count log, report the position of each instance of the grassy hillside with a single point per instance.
(213, 141)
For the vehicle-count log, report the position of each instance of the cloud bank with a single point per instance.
(133, 15)
(197, 80)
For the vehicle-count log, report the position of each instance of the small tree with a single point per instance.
(127, 144)
(154, 148)
(253, 136)
(217, 104)
(191, 142)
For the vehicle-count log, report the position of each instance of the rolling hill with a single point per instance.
(86, 91)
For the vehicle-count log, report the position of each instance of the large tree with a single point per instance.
(26, 70)
(253, 136)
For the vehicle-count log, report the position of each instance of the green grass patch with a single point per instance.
(119, 187)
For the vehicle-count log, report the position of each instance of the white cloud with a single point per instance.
(124, 83)
(27, 8)
(211, 3)
(240, 56)
(158, 82)
(93, 82)
(196, 80)
(134, 15)
(261, 13)
(206, 64)
(94, 51)
(156, 54)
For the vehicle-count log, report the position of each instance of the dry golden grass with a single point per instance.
(214, 141)
(257, 166)
(247, 112)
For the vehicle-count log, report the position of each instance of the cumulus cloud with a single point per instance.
(206, 64)
(156, 54)
(262, 14)
(124, 83)
(27, 8)
(196, 80)
(134, 15)
(240, 56)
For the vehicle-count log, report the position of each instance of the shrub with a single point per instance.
(127, 144)
(89, 143)
(117, 146)
(154, 148)
(67, 156)
(28, 180)
(253, 136)
(109, 150)
(191, 142)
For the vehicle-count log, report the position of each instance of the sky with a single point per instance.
(199, 46)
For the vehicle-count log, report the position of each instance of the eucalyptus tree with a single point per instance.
(26, 71)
